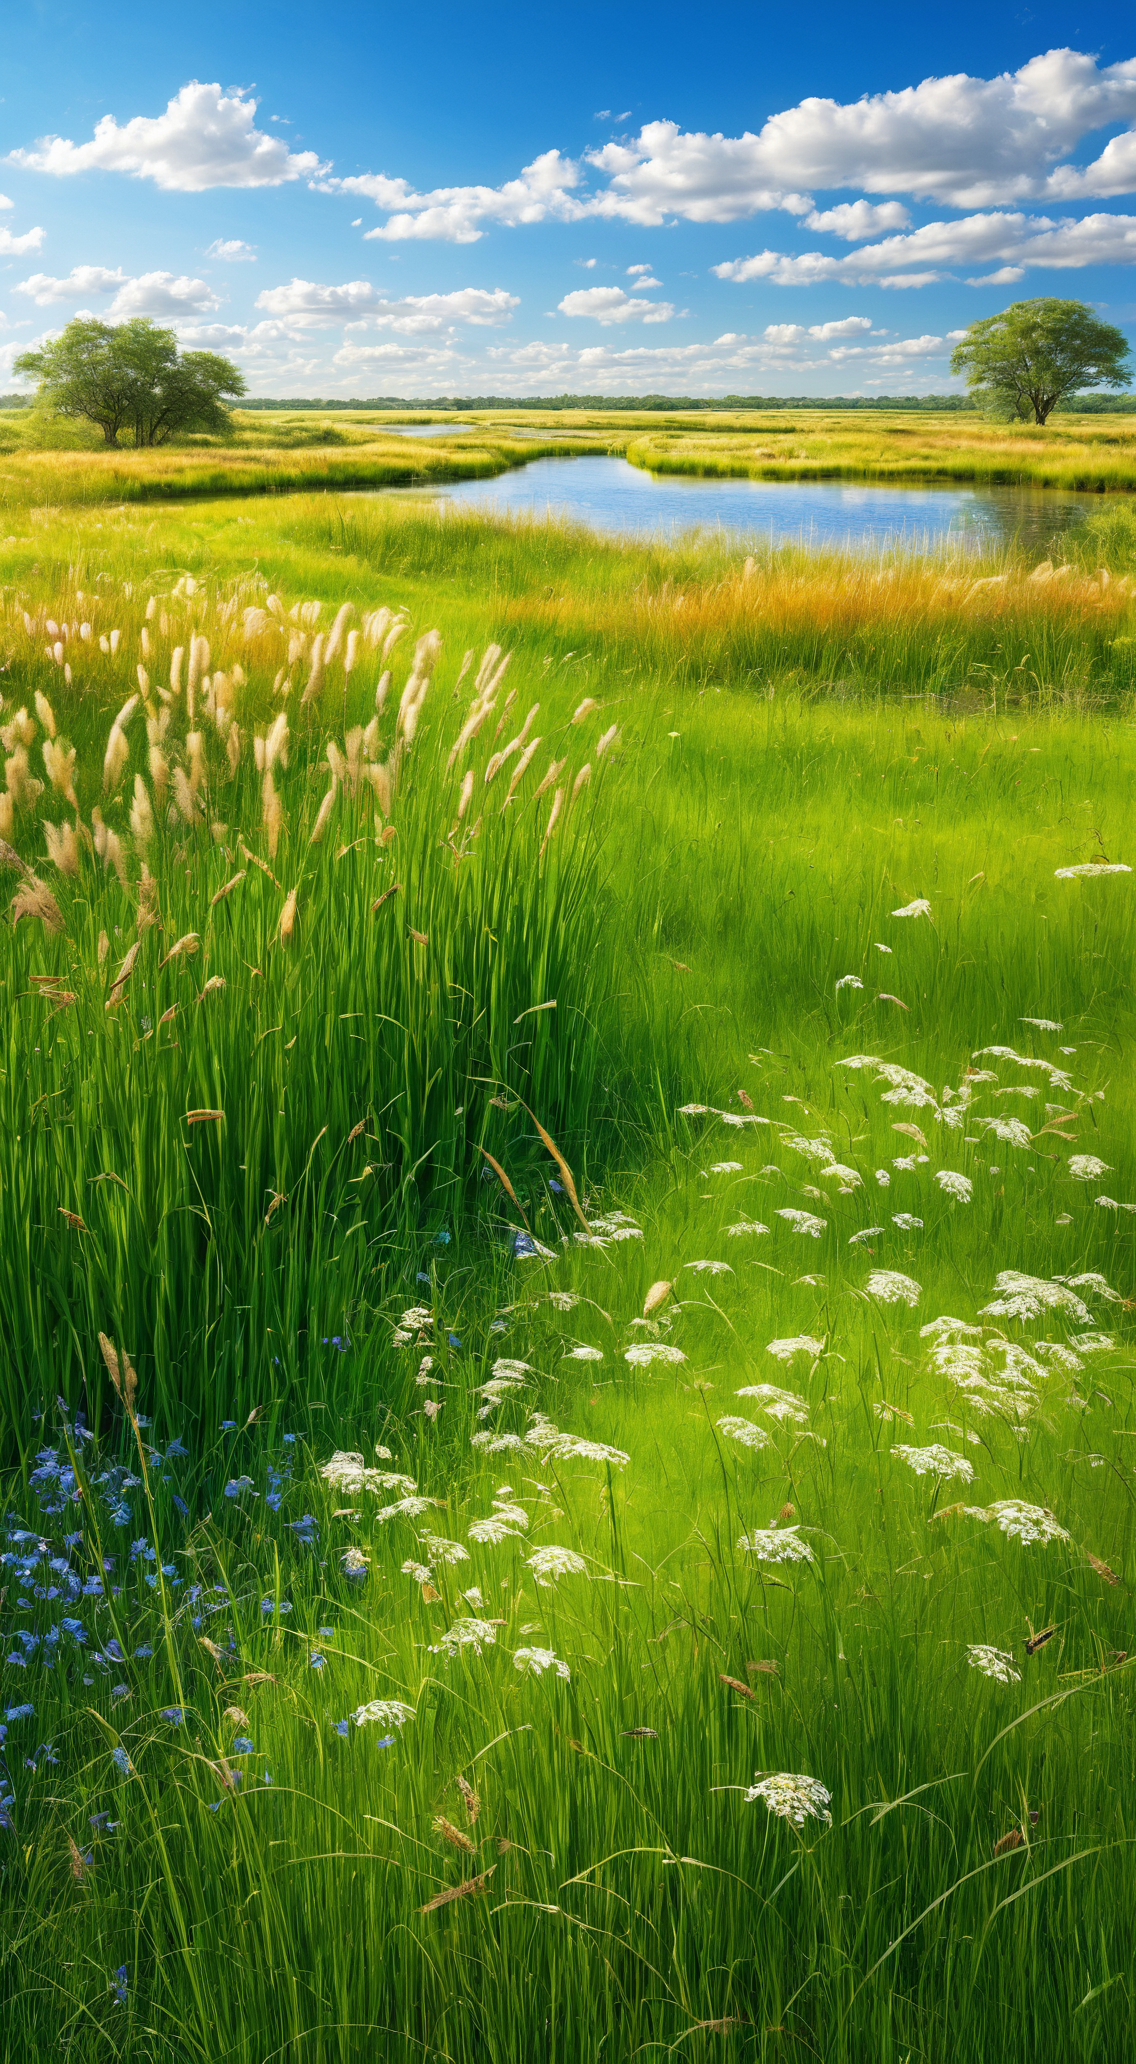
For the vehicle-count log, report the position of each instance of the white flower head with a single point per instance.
(1027, 1297)
(776, 1544)
(907, 1222)
(792, 1798)
(1087, 1168)
(803, 1221)
(533, 1662)
(744, 1226)
(354, 1565)
(385, 1712)
(709, 1268)
(1088, 868)
(993, 1662)
(919, 908)
(744, 1432)
(548, 1565)
(491, 1533)
(849, 982)
(584, 1354)
(801, 1343)
(475, 1634)
(955, 1184)
(1020, 1522)
(890, 1287)
(936, 1461)
(725, 1168)
(649, 1351)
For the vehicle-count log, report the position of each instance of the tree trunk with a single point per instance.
(110, 434)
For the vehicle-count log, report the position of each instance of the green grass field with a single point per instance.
(691, 1198)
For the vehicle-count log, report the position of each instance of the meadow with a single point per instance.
(281, 452)
(566, 1292)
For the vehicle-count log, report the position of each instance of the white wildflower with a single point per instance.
(868, 1233)
(919, 908)
(385, 1712)
(420, 1571)
(652, 1351)
(584, 1354)
(1090, 867)
(883, 1178)
(1093, 1343)
(1044, 1024)
(880, 947)
(776, 1544)
(1110, 1204)
(936, 1461)
(1020, 1522)
(533, 1662)
(949, 1329)
(1027, 1297)
(496, 1443)
(354, 1565)
(563, 1300)
(744, 1226)
(906, 1222)
(693, 1110)
(792, 1798)
(849, 982)
(710, 1268)
(800, 1343)
(1014, 1131)
(440, 1553)
(890, 1287)
(955, 1184)
(492, 1533)
(993, 1662)
(744, 1432)
(349, 1474)
(548, 1565)
(725, 1168)
(803, 1221)
(475, 1634)
(406, 1508)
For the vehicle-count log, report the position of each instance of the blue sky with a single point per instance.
(366, 200)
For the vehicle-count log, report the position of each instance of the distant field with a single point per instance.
(603, 1138)
(278, 452)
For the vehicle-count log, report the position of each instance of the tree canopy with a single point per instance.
(132, 377)
(1036, 353)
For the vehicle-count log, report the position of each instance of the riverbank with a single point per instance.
(275, 453)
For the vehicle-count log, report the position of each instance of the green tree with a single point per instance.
(1037, 352)
(132, 377)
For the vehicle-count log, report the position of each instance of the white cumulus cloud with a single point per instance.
(232, 250)
(149, 293)
(305, 304)
(458, 214)
(612, 305)
(1015, 240)
(205, 138)
(18, 246)
(852, 221)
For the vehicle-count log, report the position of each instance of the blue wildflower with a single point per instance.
(343, 1727)
(20, 1713)
(122, 1761)
(228, 1425)
(118, 1985)
(174, 1714)
(242, 1746)
(316, 1661)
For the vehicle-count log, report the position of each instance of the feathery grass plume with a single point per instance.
(185, 801)
(393, 636)
(114, 641)
(655, 1297)
(195, 747)
(45, 713)
(426, 654)
(315, 676)
(115, 759)
(376, 623)
(485, 671)
(520, 770)
(606, 739)
(124, 973)
(21, 786)
(582, 779)
(62, 847)
(143, 679)
(276, 743)
(566, 1176)
(108, 846)
(126, 712)
(454, 1835)
(287, 919)
(554, 772)
(336, 761)
(381, 775)
(185, 947)
(272, 813)
(381, 692)
(34, 899)
(176, 658)
(466, 794)
(553, 816)
(19, 730)
(337, 632)
(470, 1888)
(121, 1372)
(141, 814)
(148, 913)
(213, 987)
(10, 858)
(228, 888)
(506, 706)
(59, 761)
(470, 1799)
(584, 709)
(323, 814)
(7, 817)
(233, 749)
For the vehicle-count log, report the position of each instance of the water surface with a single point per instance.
(608, 494)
